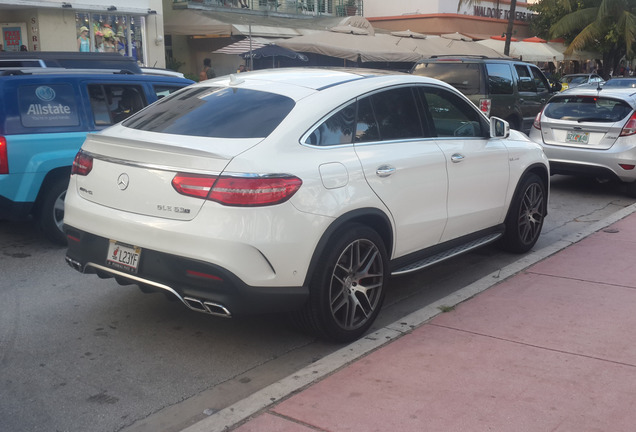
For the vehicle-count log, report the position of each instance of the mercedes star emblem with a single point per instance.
(122, 181)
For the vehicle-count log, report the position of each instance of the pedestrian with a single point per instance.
(207, 72)
(23, 48)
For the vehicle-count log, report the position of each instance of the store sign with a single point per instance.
(487, 12)
(12, 38)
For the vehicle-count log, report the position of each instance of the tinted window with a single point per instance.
(526, 83)
(396, 113)
(539, 80)
(499, 78)
(215, 112)
(451, 115)
(47, 105)
(465, 77)
(337, 129)
(366, 124)
(163, 90)
(112, 103)
(587, 108)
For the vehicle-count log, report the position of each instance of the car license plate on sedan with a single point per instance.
(578, 137)
(123, 257)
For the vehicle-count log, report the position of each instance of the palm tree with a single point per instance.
(608, 25)
(511, 19)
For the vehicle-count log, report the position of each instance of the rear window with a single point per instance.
(43, 106)
(215, 112)
(465, 77)
(587, 108)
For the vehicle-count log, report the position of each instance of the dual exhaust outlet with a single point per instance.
(194, 304)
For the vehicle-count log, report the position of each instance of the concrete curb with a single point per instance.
(236, 413)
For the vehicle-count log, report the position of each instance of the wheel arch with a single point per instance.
(542, 172)
(371, 217)
(51, 177)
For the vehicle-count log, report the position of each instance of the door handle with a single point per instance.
(384, 170)
(456, 158)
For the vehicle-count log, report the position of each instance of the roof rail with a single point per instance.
(43, 71)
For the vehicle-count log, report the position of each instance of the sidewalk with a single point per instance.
(550, 348)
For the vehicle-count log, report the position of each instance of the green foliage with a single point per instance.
(173, 64)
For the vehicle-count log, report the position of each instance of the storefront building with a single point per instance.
(478, 20)
(133, 29)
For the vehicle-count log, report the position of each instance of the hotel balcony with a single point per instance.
(281, 8)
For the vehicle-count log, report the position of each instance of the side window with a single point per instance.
(163, 90)
(539, 80)
(525, 83)
(499, 78)
(452, 116)
(366, 124)
(47, 105)
(337, 129)
(112, 103)
(396, 113)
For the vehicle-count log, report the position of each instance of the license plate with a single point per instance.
(578, 137)
(123, 256)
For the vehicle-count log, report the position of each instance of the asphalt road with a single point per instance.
(78, 353)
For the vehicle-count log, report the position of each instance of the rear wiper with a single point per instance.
(595, 119)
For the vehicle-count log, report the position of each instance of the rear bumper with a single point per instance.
(201, 286)
(13, 210)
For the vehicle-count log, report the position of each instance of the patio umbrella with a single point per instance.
(273, 51)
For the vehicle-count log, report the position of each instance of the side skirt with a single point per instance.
(428, 257)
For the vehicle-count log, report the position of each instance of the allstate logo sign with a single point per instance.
(45, 93)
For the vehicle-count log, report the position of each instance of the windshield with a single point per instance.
(620, 82)
(221, 112)
(587, 109)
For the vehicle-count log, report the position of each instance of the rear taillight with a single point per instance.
(4, 156)
(484, 106)
(83, 164)
(537, 121)
(240, 191)
(630, 126)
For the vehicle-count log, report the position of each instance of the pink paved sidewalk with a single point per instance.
(550, 349)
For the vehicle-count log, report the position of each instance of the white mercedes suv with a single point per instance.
(300, 190)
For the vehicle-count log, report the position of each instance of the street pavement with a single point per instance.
(544, 344)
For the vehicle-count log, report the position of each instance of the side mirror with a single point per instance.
(556, 87)
(499, 128)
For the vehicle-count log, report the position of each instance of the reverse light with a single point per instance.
(4, 156)
(240, 191)
(83, 164)
(485, 105)
(630, 126)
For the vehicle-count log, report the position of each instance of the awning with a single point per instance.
(526, 51)
(354, 47)
(195, 23)
(241, 46)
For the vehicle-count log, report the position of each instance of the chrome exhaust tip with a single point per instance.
(75, 265)
(207, 307)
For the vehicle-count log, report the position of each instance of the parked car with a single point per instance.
(505, 88)
(591, 132)
(67, 60)
(620, 82)
(300, 190)
(575, 80)
(45, 114)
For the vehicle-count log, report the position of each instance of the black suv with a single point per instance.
(505, 88)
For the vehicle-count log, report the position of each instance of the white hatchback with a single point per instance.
(300, 190)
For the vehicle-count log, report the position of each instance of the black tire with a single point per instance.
(525, 215)
(50, 215)
(347, 289)
(631, 189)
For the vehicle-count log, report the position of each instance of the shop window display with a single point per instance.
(110, 33)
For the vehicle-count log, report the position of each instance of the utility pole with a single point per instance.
(511, 21)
